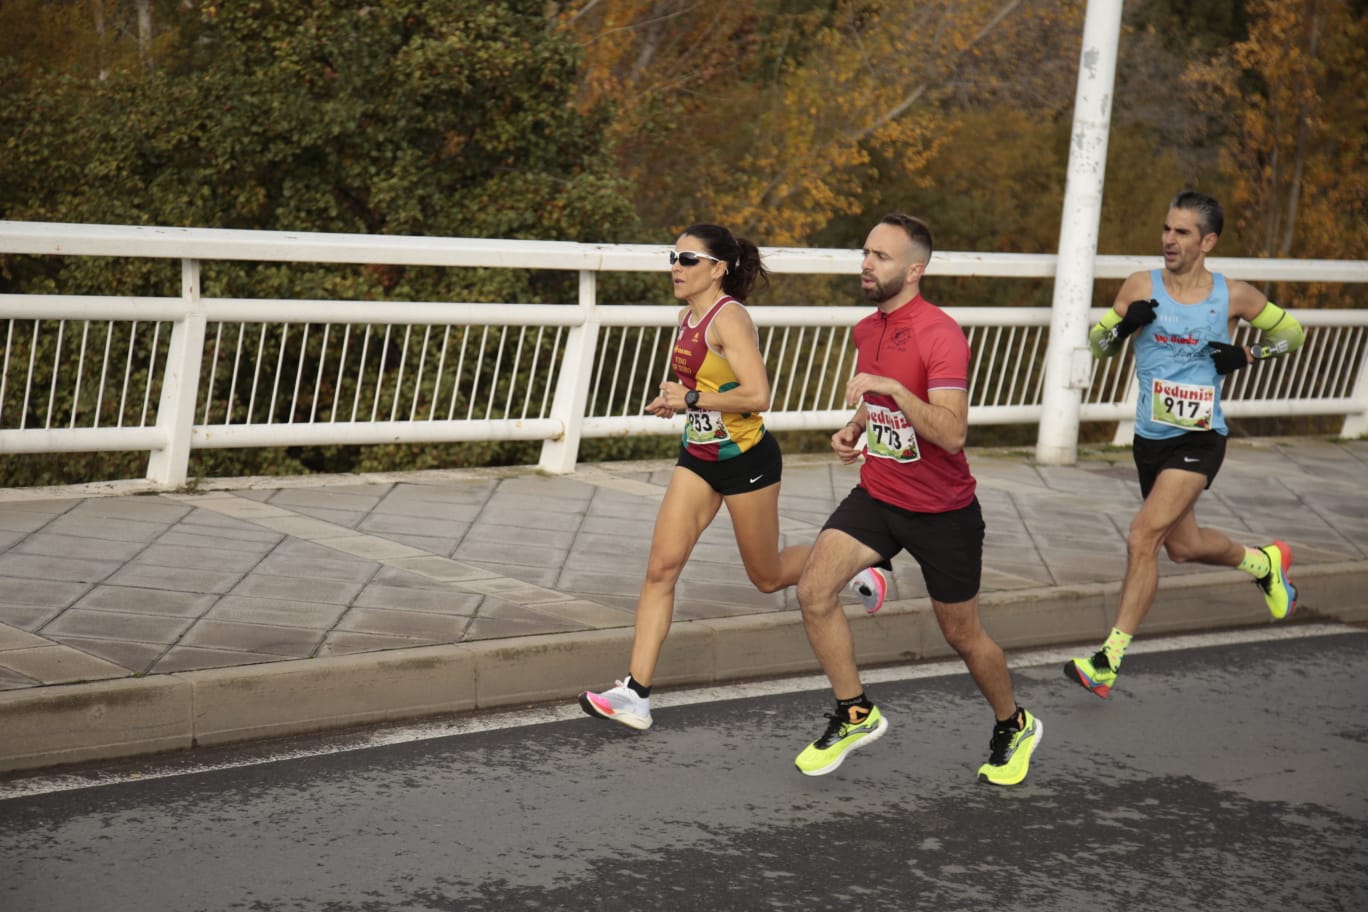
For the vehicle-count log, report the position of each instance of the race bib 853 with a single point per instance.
(704, 428)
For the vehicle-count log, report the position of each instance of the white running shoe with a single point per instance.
(871, 586)
(618, 704)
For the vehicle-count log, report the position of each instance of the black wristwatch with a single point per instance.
(691, 399)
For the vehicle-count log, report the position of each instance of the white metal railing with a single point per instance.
(172, 374)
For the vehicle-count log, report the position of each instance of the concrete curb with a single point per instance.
(106, 720)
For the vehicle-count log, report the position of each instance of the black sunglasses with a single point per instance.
(689, 258)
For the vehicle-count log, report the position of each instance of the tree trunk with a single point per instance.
(1315, 27)
(144, 8)
(97, 7)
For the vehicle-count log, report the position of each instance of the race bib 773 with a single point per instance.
(889, 435)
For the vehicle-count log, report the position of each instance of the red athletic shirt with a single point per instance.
(923, 348)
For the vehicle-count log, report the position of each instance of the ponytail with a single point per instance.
(741, 279)
(741, 257)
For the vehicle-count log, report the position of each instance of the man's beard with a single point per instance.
(881, 292)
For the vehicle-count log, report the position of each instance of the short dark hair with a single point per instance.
(918, 232)
(741, 257)
(1210, 215)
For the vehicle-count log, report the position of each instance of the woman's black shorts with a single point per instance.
(759, 467)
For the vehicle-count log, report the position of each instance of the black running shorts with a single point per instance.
(1196, 451)
(759, 467)
(947, 546)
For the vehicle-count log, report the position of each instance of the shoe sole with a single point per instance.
(1073, 674)
(879, 592)
(631, 720)
(1035, 742)
(831, 767)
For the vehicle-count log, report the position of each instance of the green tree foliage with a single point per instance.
(1294, 92)
(1206, 26)
(764, 114)
(792, 121)
(445, 118)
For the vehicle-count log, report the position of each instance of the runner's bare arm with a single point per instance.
(942, 418)
(848, 440)
(733, 334)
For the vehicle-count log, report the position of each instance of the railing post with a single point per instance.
(1356, 423)
(1125, 428)
(1067, 366)
(180, 384)
(559, 456)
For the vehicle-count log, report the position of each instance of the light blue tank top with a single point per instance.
(1172, 352)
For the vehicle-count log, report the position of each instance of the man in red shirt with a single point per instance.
(911, 392)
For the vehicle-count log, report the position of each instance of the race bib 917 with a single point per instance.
(1183, 405)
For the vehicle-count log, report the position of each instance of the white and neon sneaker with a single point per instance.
(871, 586)
(618, 704)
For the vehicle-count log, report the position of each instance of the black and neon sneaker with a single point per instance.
(1009, 751)
(843, 735)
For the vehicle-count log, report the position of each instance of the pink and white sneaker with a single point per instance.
(618, 704)
(872, 587)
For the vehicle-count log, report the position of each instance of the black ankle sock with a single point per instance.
(1016, 720)
(641, 690)
(843, 706)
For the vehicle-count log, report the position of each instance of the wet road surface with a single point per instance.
(1230, 776)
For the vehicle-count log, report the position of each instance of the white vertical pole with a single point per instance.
(572, 386)
(170, 465)
(1067, 364)
(1356, 423)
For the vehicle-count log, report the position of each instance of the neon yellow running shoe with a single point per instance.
(841, 737)
(1096, 673)
(1009, 753)
(1279, 593)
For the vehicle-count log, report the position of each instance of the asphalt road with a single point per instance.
(1224, 773)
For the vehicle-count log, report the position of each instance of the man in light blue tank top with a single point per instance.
(1172, 356)
(1182, 317)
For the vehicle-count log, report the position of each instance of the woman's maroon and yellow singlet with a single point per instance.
(711, 436)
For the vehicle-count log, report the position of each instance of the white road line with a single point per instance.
(523, 718)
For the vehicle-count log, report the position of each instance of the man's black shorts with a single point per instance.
(1196, 451)
(948, 546)
(759, 467)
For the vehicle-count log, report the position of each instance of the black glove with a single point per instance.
(1138, 314)
(1228, 358)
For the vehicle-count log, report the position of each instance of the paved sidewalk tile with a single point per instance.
(265, 572)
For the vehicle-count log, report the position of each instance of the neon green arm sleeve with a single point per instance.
(1103, 338)
(1281, 333)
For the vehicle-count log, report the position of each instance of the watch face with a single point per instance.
(691, 398)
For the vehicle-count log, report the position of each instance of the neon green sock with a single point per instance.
(1115, 647)
(1255, 563)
